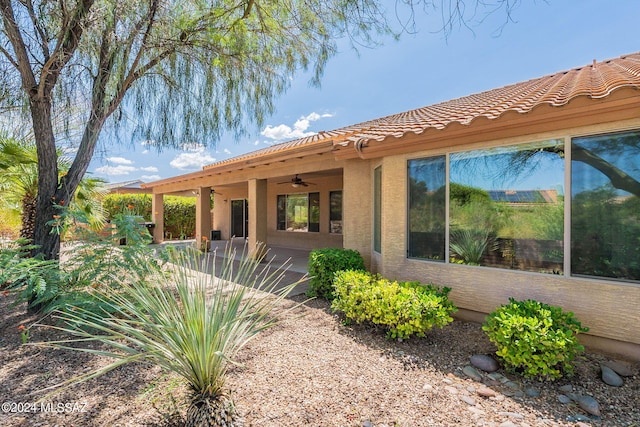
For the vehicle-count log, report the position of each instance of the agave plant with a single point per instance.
(193, 325)
(470, 245)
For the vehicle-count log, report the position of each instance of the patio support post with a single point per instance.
(157, 217)
(257, 215)
(203, 215)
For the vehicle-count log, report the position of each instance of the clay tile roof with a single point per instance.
(595, 80)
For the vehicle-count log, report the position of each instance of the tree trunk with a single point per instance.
(28, 217)
(48, 243)
(207, 411)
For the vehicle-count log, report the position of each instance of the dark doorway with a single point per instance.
(239, 218)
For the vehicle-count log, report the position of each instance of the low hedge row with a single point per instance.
(403, 308)
(533, 339)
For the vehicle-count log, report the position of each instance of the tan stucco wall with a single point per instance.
(358, 208)
(610, 309)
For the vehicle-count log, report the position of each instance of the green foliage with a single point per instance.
(130, 204)
(470, 245)
(324, 263)
(535, 339)
(192, 323)
(404, 308)
(179, 216)
(93, 261)
(179, 212)
(33, 279)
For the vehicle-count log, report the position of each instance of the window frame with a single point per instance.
(282, 214)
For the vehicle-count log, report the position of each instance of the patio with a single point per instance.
(292, 261)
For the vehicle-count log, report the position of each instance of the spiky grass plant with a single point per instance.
(470, 245)
(193, 325)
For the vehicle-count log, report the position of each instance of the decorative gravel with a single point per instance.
(312, 370)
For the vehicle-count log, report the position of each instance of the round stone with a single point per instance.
(589, 405)
(610, 377)
(484, 362)
(472, 373)
(620, 368)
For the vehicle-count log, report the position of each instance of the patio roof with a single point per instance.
(595, 81)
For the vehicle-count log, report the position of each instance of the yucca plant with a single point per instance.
(193, 325)
(470, 245)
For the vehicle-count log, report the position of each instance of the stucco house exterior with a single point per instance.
(531, 190)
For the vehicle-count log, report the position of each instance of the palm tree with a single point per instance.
(19, 187)
(192, 324)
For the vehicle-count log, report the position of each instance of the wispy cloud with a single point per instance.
(149, 169)
(119, 160)
(109, 170)
(150, 177)
(196, 158)
(299, 130)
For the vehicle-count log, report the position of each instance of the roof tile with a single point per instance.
(595, 80)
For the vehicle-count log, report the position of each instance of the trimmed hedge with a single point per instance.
(403, 308)
(325, 263)
(535, 339)
(179, 212)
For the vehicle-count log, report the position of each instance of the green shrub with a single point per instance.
(179, 212)
(325, 263)
(535, 339)
(404, 308)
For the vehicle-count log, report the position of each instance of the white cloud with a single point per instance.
(194, 160)
(149, 169)
(148, 143)
(115, 170)
(226, 151)
(150, 177)
(119, 160)
(299, 130)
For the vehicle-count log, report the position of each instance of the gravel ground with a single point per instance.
(309, 370)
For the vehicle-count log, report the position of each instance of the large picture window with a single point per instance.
(505, 207)
(299, 212)
(605, 206)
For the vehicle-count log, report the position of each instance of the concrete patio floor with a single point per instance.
(291, 262)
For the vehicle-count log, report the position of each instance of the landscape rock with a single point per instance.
(567, 388)
(508, 424)
(532, 392)
(589, 405)
(486, 392)
(484, 362)
(564, 399)
(472, 373)
(610, 377)
(468, 400)
(367, 423)
(620, 368)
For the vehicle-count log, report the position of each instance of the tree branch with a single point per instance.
(68, 41)
(17, 42)
(44, 42)
(618, 178)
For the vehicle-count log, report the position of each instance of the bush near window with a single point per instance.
(535, 339)
(179, 212)
(403, 308)
(325, 263)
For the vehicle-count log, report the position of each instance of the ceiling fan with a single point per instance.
(297, 182)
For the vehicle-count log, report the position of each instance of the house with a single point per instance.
(127, 187)
(415, 192)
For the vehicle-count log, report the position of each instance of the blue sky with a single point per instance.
(418, 70)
